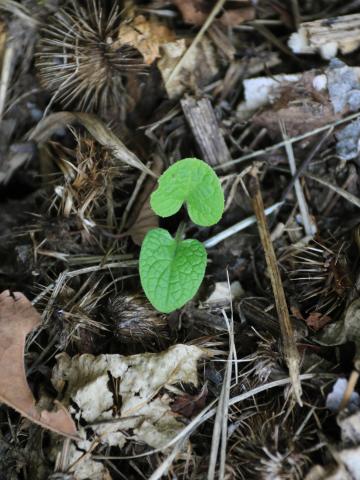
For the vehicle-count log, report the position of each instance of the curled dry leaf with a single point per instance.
(189, 405)
(346, 329)
(49, 125)
(146, 36)
(18, 318)
(317, 321)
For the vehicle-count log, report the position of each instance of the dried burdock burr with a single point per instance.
(78, 60)
(265, 445)
(321, 273)
(77, 320)
(135, 321)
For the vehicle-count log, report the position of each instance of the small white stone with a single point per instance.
(59, 190)
(329, 50)
(320, 82)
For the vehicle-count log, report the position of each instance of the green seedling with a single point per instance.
(172, 269)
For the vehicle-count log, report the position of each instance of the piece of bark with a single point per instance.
(205, 128)
(327, 36)
(220, 37)
(17, 319)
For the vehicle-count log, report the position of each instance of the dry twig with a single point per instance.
(290, 349)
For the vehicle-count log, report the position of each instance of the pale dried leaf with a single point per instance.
(222, 295)
(139, 380)
(197, 70)
(84, 468)
(18, 318)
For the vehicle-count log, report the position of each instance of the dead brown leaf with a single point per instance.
(317, 320)
(17, 319)
(196, 12)
(146, 36)
(189, 405)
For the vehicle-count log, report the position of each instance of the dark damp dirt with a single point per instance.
(73, 213)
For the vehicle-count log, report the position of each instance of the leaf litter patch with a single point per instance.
(167, 80)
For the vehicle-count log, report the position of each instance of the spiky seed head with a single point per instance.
(135, 321)
(78, 61)
(264, 445)
(321, 273)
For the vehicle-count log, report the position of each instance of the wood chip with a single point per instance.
(205, 128)
(327, 36)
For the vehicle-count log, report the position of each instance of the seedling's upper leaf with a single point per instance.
(191, 181)
(171, 270)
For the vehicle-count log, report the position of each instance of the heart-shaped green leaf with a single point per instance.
(191, 181)
(171, 270)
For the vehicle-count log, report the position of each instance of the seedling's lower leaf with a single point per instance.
(193, 182)
(171, 270)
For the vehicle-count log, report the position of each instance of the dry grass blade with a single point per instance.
(303, 207)
(340, 191)
(6, 71)
(220, 424)
(166, 464)
(290, 349)
(96, 128)
(219, 237)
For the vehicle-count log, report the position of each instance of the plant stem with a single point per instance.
(180, 232)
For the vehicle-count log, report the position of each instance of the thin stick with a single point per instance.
(197, 39)
(276, 146)
(354, 377)
(296, 13)
(5, 76)
(212, 241)
(287, 333)
(306, 162)
(340, 191)
(166, 464)
(227, 384)
(221, 418)
(303, 207)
